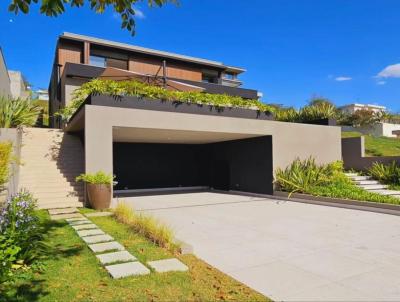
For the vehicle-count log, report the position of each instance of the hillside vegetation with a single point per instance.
(378, 146)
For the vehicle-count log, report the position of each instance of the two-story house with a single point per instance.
(81, 58)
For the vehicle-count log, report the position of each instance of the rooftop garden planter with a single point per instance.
(120, 89)
(98, 187)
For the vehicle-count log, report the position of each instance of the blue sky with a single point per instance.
(292, 50)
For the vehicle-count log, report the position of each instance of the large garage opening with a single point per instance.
(240, 165)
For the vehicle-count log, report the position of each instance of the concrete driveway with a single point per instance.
(288, 250)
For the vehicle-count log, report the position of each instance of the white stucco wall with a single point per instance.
(4, 79)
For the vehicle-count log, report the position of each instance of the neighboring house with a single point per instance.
(4, 78)
(379, 129)
(351, 108)
(152, 145)
(19, 86)
(40, 94)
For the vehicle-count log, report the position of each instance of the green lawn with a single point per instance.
(378, 146)
(71, 272)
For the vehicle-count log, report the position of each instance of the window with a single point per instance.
(108, 62)
(97, 61)
(209, 79)
(229, 76)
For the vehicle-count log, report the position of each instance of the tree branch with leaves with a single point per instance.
(54, 8)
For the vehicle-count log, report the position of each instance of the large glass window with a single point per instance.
(97, 61)
(209, 78)
(229, 76)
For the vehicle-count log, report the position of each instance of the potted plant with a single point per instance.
(98, 186)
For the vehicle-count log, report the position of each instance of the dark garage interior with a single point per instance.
(242, 165)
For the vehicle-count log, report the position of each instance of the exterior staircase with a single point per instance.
(50, 161)
(367, 183)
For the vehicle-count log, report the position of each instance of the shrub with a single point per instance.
(20, 236)
(388, 174)
(138, 89)
(17, 112)
(99, 178)
(325, 180)
(146, 225)
(300, 176)
(5, 157)
(44, 109)
(318, 108)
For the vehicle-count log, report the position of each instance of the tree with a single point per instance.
(54, 8)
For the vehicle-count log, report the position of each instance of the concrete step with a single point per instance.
(387, 192)
(47, 177)
(57, 199)
(50, 195)
(350, 174)
(56, 189)
(54, 165)
(373, 187)
(55, 205)
(358, 178)
(47, 173)
(366, 182)
(63, 211)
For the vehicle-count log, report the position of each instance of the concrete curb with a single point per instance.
(331, 202)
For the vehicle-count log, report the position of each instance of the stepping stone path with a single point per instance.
(85, 226)
(97, 239)
(115, 257)
(127, 269)
(98, 214)
(367, 183)
(112, 255)
(93, 232)
(168, 265)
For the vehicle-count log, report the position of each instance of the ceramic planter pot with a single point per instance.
(99, 196)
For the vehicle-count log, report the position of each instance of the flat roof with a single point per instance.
(154, 52)
(364, 105)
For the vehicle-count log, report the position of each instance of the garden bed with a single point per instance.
(341, 202)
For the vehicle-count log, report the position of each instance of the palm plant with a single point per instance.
(17, 112)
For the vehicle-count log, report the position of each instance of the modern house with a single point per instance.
(18, 85)
(153, 145)
(351, 108)
(4, 78)
(40, 94)
(79, 59)
(387, 129)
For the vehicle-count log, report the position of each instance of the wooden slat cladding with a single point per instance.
(145, 66)
(69, 53)
(149, 66)
(183, 72)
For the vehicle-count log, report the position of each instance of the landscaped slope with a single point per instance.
(378, 146)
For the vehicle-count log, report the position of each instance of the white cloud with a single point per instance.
(139, 14)
(342, 79)
(381, 83)
(391, 71)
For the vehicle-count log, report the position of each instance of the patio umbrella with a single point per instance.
(116, 74)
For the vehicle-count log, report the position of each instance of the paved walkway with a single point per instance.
(288, 250)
